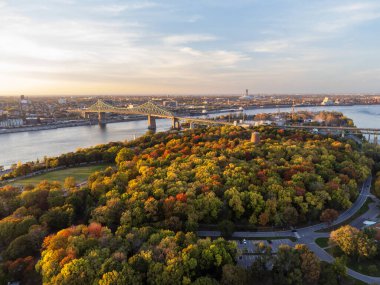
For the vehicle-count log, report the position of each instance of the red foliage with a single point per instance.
(205, 188)
(21, 265)
(186, 150)
(262, 175)
(181, 197)
(299, 191)
(289, 173)
(95, 230)
(332, 185)
(344, 178)
(154, 154)
(166, 153)
(169, 206)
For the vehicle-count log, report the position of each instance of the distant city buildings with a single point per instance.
(62, 101)
(54, 110)
(246, 96)
(11, 123)
(327, 102)
(173, 104)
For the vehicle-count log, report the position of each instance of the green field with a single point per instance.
(322, 242)
(79, 173)
(369, 267)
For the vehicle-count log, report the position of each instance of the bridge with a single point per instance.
(350, 131)
(153, 111)
(148, 109)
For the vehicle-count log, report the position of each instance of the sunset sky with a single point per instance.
(67, 47)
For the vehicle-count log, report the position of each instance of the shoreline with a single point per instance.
(92, 123)
(60, 126)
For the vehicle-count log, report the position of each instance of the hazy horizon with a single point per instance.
(196, 95)
(149, 48)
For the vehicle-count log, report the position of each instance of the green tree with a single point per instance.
(226, 228)
(123, 155)
(233, 274)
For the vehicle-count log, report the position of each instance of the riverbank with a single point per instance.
(30, 146)
(62, 125)
(110, 121)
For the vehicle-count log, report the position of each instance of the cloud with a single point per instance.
(189, 38)
(344, 16)
(270, 46)
(355, 7)
(129, 46)
(119, 8)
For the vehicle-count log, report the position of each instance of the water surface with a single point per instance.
(27, 146)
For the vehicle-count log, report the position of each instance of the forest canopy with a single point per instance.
(138, 220)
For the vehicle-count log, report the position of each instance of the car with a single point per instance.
(244, 241)
(294, 231)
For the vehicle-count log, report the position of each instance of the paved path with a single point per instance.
(307, 235)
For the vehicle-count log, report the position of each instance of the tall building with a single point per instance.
(246, 96)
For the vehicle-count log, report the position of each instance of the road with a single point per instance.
(307, 235)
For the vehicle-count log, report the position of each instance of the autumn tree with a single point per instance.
(329, 216)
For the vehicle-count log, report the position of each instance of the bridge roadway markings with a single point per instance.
(308, 235)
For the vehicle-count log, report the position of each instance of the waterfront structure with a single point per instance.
(327, 102)
(11, 123)
(148, 109)
(153, 111)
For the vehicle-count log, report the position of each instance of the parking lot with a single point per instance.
(247, 249)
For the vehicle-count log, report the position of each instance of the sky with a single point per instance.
(100, 47)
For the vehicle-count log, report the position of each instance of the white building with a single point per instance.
(62, 101)
(327, 102)
(9, 123)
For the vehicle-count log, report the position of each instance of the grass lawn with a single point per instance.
(369, 267)
(348, 280)
(79, 173)
(322, 242)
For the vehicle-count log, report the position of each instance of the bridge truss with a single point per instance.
(148, 109)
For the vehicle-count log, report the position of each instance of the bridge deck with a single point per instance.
(150, 109)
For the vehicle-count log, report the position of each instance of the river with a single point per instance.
(28, 146)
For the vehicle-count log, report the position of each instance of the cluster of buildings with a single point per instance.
(22, 111)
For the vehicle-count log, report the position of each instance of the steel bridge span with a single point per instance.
(343, 131)
(148, 109)
(153, 111)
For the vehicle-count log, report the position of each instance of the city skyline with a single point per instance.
(71, 47)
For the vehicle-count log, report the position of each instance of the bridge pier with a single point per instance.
(342, 134)
(102, 118)
(151, 122)
(191, 124)
(86, 115)
(375, 141)
(175, 124)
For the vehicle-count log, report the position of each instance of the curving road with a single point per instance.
(307, 235)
